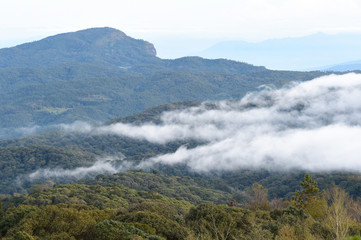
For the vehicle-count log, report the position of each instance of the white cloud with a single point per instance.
(104, 165)
(314, 125)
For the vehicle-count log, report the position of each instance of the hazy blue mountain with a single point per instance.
(344, 67)
(291, 53)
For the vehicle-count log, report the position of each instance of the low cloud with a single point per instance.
(313, 125)
(16, 132)
(108, 165)
(77, 126)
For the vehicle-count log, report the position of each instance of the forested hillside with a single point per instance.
(100, 74)
(165, 201)
(92, 181)
(69, 150)
(82, 211)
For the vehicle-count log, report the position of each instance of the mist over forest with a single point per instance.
(304, 125)
(102, 139)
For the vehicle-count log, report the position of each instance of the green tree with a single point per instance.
(258, 197)
(287, 232)
(210, 221)
(339, 217)
(168, 228)
(13, 216)
(58, 222)
(114, 230)
(310, 198)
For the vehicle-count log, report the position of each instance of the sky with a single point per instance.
(179, 25)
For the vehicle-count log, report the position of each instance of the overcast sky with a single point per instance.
(161, 21)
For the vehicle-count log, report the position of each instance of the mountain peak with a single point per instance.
(106, 46)
(91, 35)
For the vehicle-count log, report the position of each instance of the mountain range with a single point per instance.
(99, 74)
(344, 67)
(297, 53)
(74, 184)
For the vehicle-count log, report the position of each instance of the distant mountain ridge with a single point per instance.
(100, 74)
(344, 67)
(297, 53)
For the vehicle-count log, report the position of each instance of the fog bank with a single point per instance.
(313, 125)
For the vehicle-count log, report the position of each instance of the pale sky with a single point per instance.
(162, 21)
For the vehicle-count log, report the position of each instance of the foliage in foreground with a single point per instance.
(81, 211)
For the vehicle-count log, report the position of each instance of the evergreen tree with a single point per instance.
(310, 198)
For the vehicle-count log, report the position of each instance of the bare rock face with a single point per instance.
(151, 49)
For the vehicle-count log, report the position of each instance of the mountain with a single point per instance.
(73, 185)
(344, 67)
(99, 74)
(105, 46)
(291, 53)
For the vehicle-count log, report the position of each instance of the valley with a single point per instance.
(101, 139)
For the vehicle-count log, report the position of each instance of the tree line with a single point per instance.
(83, 211)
